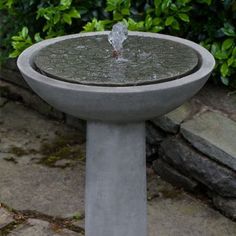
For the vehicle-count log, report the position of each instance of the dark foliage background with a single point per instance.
(208, 22)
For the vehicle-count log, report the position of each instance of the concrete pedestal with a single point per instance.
(115, 180)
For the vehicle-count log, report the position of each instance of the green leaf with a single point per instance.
(184, 17)
(37, 37)
(125, 11)
(224, 69)
(24, 32)
(156, 21)
(66, 3)
(148, 22)
(234, 52)
(169, 20)
(157, 3)
(165, 4)
(221, 55)
(157, 29)
(74, 13)
(173, 7)
(67, 18)
(117, 16)
(230, 61)
(17, 38)
(175, 25)
(14, 54)
(228, 30)
(56, 18)
(228, 43)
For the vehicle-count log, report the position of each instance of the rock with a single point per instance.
(172, 176)
(34, 227)
(30, 99)
(10, 73)
(226, 205)
(6, 217)
(153, 138)
(171, 121)
(153, 134)
(219, 98)
(198, 167)
(214, 135)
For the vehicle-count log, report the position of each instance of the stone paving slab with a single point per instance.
(183, 215)
(31, 186)
(28, 185)
(35, 227)
(214, 135)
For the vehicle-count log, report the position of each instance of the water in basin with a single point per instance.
(89, 60)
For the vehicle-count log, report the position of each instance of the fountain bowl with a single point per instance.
(111, 103)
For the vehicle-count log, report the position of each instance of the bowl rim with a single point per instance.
(25, 65)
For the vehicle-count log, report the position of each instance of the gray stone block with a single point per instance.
(214, 135)
(199, 167)
(10, 73)
(173, 176)
(171, 121)
(5, 218)
(153, 134)
(226, 205)
(30, 99)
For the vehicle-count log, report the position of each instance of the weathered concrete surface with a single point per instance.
(116, 195)
(191, 163)
(34, 227)
(214, 135)
(57, 191)
(5, 218)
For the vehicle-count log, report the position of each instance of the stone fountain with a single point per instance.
(116, 90)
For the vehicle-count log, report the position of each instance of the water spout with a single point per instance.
(116, 38)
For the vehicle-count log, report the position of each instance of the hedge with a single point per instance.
(210, 23)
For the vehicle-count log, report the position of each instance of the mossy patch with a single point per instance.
(68, 147)
(171, 193)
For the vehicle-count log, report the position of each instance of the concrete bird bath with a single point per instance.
(78, 75)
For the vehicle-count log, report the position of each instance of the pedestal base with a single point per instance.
(115, 180)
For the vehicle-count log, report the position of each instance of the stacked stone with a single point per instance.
(200, 152)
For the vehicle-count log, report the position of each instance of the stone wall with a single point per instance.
(193, 147)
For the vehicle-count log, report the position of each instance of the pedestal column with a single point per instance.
(115, 180)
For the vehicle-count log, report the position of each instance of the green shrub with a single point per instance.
(210, 23)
